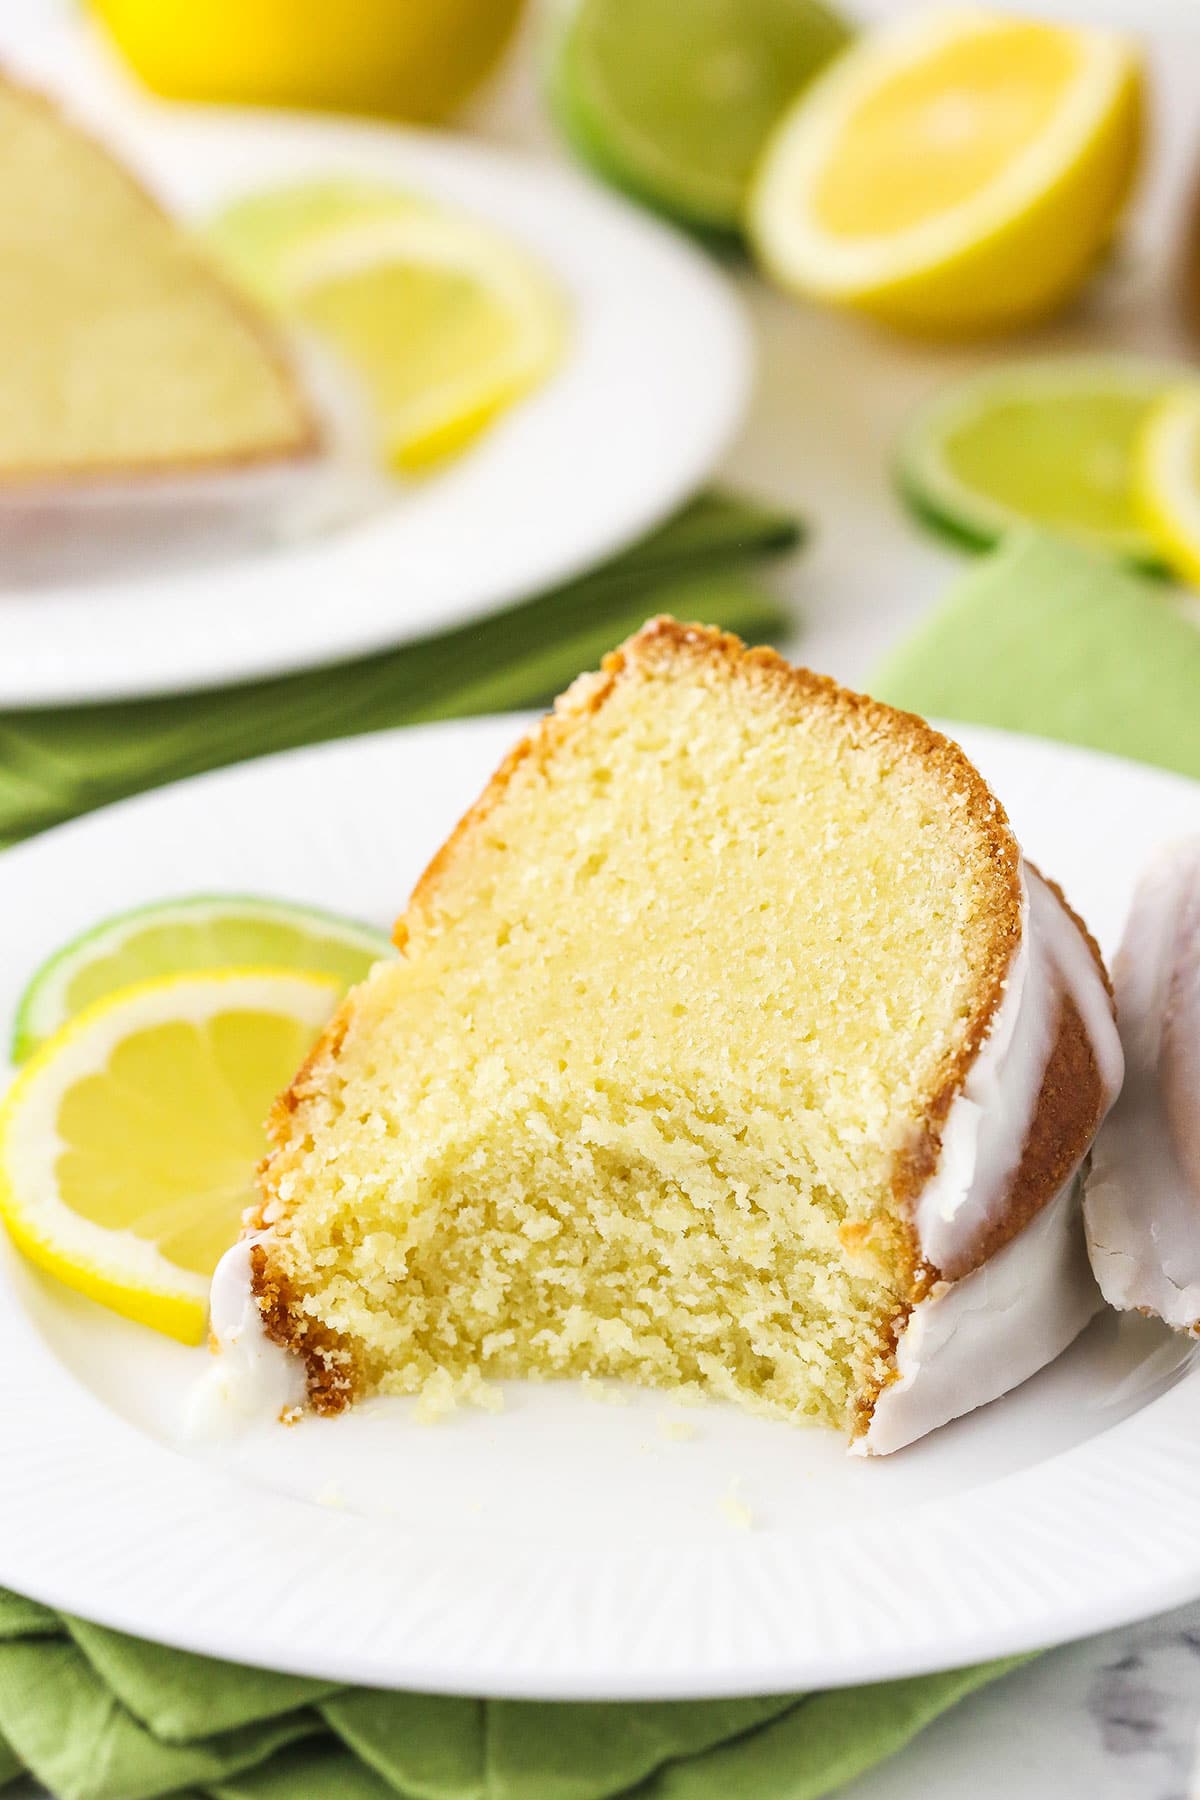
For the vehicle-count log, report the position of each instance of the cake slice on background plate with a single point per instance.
(127, 354)
(732, 1047)
(1142, 1208)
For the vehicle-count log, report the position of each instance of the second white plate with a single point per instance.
(652, 387)
(566, 1549)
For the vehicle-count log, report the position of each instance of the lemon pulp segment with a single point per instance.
(129, 1142)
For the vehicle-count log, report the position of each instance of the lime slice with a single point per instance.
(258, 235)
(443, 321)
(676, 109)
(1050, 443)
(1167, 479)
(129, 1143)
(177, 937)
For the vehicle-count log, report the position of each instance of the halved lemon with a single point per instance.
(443, 320)
(183, 936)
(955, 172)
(128, 1144)
(1167, 479)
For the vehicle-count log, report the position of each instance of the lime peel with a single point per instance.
(684, 137)
(1050, 442)
(190, 933)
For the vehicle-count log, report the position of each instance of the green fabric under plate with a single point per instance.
(95, 1715)
(58, 762)
(1045, 638)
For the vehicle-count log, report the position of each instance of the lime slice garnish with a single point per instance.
(129, 1143)
(177, 937)
(677, 108)
(1049, 443)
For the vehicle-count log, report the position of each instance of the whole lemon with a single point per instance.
(410, 59)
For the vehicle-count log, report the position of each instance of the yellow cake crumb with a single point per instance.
(635, 1099)
(732, 1507)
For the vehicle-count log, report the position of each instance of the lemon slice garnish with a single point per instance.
(129, 1142)
(1167, 479)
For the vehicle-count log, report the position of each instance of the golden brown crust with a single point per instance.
(331, 1376)
(1070, 1100)
(303, 442)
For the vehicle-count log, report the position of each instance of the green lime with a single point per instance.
(181, 937)
(674, 102)
(1049, 443)
(259, 236)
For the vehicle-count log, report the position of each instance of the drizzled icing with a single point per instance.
(989, 1120)
(975, 1339)
(250, 1378)
(972, 1340)
(1142, 1209)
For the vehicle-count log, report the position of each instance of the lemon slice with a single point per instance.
(1167, 479)
(178, 937)
(1049, 443)
(443, 321)
(128, 1144)
(955, 172)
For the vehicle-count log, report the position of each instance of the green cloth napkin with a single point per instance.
(56, 763)
(95, 1715)
(1045, 638)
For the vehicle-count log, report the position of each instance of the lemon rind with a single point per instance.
(799, 253)
(121, 1270)
(1166, 485)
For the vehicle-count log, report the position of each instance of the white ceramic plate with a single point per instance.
(652, 387)
(565, 1548)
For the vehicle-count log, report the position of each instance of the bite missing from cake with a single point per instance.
(731, 1046)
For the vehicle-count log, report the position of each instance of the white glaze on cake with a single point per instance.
(1142, 1210)
(250, 1377)
(989, 1120)
(975, 1339)
(972, 1340)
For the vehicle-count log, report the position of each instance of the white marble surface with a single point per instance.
(1115, 1718)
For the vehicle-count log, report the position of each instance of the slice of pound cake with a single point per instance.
(126, 353)
(731, 1047)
